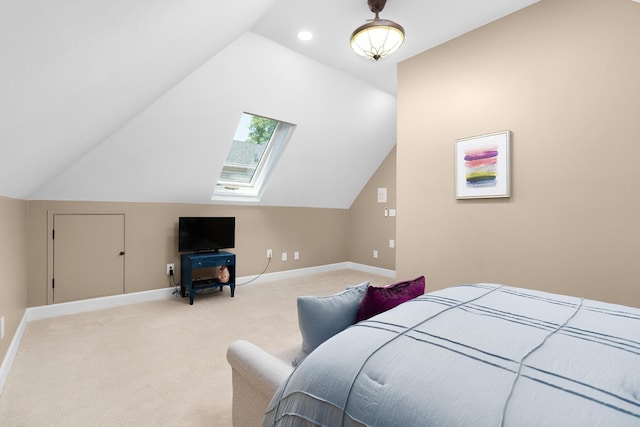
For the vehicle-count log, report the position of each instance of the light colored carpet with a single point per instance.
(160, 363)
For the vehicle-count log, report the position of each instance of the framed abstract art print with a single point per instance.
(482, 166)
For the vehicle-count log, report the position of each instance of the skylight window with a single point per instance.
(255, 149)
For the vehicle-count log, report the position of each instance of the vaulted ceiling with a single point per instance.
(124, 100)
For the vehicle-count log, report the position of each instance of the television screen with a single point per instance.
(201, 234)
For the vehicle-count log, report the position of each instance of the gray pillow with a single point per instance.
(320, 318)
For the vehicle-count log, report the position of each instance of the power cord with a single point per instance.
(261, 273)
(172, 283)
(177, 290)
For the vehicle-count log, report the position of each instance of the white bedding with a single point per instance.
(473, 355)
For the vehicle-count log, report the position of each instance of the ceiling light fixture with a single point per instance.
(378, 37)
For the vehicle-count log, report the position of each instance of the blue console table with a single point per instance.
(197, 261)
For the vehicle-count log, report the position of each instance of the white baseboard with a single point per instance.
(7, 362)
(82, 306)
(278, 275)
(74, 307)
(369, 269)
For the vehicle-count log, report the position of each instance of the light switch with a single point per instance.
(382, 195)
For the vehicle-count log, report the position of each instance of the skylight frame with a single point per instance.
(237, 191)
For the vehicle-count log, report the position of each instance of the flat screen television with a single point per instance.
(206, 234)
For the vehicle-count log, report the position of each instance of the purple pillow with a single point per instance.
(377, 300)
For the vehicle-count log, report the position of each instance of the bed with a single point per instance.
(477, 355)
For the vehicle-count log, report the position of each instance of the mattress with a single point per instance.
(473, 355)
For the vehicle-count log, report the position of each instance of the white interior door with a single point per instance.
(88, 256)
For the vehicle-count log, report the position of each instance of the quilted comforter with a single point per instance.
(473, 355)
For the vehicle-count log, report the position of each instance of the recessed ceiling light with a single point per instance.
(305, 35)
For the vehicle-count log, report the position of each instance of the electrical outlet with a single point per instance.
(296, 255)
(2, 327)
(170, 269)
(269, 253)
(375, 253)
(284, 256)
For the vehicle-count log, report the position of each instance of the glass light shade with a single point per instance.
(377, 39)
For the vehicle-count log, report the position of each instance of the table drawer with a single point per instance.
(205, 263)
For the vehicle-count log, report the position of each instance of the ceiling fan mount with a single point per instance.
(376, 6)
